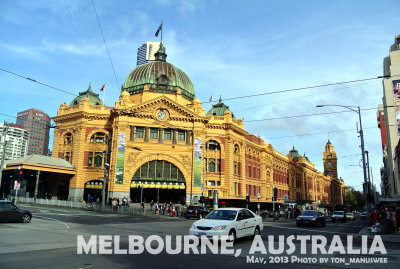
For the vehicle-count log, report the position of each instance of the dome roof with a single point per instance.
(160, 76)
(219, 109)
(294, 153)
(93, 97)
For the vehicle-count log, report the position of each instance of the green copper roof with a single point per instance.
(160, 76)
(93, 97)
(294, 153)
(219, 109)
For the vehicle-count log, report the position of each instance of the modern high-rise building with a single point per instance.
(37, 123)
(391, 107)
(16, 140)
(146, 52)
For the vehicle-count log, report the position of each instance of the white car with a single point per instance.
(235, 222)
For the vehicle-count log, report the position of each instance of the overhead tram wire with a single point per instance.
(105, 44)
(38, 82)
(303, 88)
(335, 131)
(295, 98)
(306, 115)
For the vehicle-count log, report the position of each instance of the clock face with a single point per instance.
(329, 163)
(161, 115)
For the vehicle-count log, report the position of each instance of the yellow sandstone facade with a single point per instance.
(164, 146)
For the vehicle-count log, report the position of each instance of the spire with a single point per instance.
(329, 142)
(220, 99)
(89, 89)
(160, 55)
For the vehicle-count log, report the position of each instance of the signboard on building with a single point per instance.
(17, 185)
(197, 163)
(119, 178)
(396, 96)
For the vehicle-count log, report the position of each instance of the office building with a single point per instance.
(37, 123)
(146, 52)
(16, 141)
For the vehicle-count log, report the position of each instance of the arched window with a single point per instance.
(159, 170)
(213, 145)
(211, 165)
(68, 138)
(99, 138)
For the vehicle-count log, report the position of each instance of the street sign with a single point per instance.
(17, 185)
(100, 177)
(285, 197)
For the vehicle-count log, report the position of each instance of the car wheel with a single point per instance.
(297, 224)
(333, 220)
(256, 232)
(323, 224)
(25, 218)
(232, 236)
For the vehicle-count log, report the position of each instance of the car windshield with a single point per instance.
(222, 215)
(338, 213)
(349, 214)
(309, 213)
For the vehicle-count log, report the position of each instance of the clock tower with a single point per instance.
(330, 161)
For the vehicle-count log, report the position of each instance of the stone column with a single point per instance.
(132, 133)
(146, 134)
(188, 137)
(174, 136)
(160, 135)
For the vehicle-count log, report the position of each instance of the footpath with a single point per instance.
(109, 212)
(392, 238)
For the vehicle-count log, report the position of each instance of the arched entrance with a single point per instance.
(160, 181)
(93, 189)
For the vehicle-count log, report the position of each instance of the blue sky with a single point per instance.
(228, 48)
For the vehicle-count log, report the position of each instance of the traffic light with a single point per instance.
(275, 194)
(247, 198)
(20, 174)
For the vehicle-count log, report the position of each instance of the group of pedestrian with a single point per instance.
(116, 203)
(170, 208)
(389, 218)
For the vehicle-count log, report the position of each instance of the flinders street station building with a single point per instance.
(158, 143)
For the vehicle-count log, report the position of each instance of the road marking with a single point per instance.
(309, 230)
(66, 225)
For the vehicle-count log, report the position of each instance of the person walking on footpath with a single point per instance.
(373, 217)
(393, 220)
(388, 221)
(151, 205)
(142, 207)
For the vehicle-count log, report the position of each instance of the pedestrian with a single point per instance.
(114, 204)
(388, 221)
(397, 210)
(142, 206)
(151, 205)
(393, 220)
(373, 217)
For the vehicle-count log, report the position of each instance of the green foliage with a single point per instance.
(354, 199)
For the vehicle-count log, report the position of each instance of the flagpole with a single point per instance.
(161, 29)
(104, 94)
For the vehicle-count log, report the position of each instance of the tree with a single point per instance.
(353, 199)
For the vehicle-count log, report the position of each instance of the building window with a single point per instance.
(249, 171)
(219, 165)
(181, 135)
(90, 159)
(139, 132)
(68, 138)
(213, 145)
(153, 133)
(98, 138)
(167, 134)
(67, 156)
(235, 168)
(98, 159)
(258, 173)
(254, 172)
(211, 165)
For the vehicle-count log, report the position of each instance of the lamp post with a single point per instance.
(352, 108)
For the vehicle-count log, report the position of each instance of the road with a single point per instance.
(50, 241)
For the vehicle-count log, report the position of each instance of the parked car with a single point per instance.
(234, 222)
(311, 217)
(338, 216)
(10, 212)
(350, 216)
(197, 212)
(364, 215)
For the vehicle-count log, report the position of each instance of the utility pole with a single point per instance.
(36, 186)
(106, 167)
(364, 166)
(3, 157)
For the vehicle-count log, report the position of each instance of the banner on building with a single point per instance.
(197, 163)
(396, 96)
(119, 178)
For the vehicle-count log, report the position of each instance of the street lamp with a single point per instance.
(357, 110)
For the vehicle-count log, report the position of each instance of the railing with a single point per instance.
(131, 210)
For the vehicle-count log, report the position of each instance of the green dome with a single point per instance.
(160, 76)
(219, 109)
(93, 98)
(294, 153)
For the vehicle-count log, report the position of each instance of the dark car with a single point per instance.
(311, 217)
(197, 212)
(10, 212)
(364, 215)
(339, 216)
